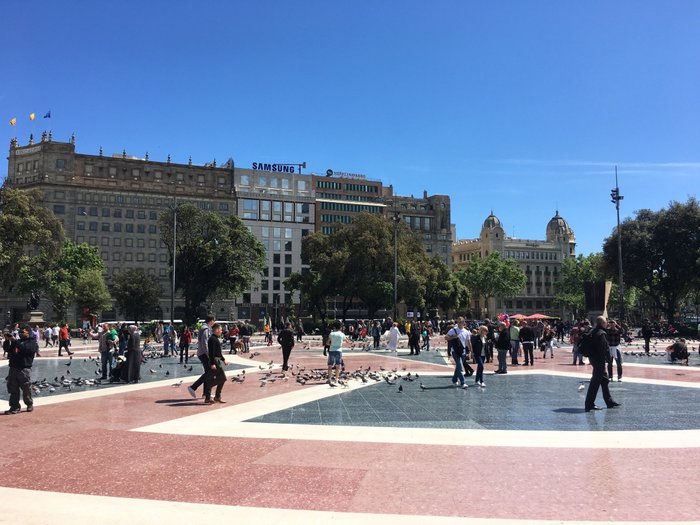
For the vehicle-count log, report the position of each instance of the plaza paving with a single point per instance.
(519, 451)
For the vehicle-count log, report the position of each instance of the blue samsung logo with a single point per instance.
(281, 168)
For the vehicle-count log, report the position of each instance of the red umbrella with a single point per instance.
(538, 316)
(518, 316)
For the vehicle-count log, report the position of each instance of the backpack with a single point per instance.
(585, 344)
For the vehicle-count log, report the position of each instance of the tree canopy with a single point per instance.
(91, 291)
(136, 293)
(63, 272)
(357, 262)
(215, 254)
(492, 276)
(30, 237)
(569, 290)
(660, 253)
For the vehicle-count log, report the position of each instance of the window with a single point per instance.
(129, 214)
(141, 228)
(245, 180)
(140, 257)
(287, 272)
(276, 211)
(285, 184)
(59, 209)
(142, 214)
(223, 206)
(152, 243)
(277, 232)
(274, 182)
(288, 246)
(116, 241)
(264, 284)
(180, 177)
(152, 215)
(276, 258)
(136, 173)
(301, 185)
(200, 179)
(287, 233)
(287, 258)
(93, 226)
(151, 257)
(276, 284)
(250, 209)
(265, 298)
(276, 272)
(93, 211)
(128, 243)
(80, 225)
(152, 228)
(265, 210)
(129, 228)
(158, 175)
(117, 227)
(288, 211)
(60, 164)
(105, 226)
(140, 243)
(246, 297)
(265, 231)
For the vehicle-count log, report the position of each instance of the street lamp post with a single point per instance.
(396, 219)
(172, 289)
(615, 199)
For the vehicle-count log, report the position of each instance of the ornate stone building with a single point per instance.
(540, 260)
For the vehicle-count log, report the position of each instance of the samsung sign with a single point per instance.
(281, 168)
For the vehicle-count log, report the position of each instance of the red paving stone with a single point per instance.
(86, 447)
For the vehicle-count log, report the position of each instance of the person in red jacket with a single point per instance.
(64, 339)
(185, 340)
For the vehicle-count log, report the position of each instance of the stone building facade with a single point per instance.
(114, 202)
(540, 260)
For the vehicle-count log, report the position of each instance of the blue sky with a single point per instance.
(521, 106)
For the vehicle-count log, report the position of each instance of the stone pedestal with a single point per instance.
(34, 318)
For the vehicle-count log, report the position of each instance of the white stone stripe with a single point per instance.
(31, 507)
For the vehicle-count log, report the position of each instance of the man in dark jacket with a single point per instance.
(216, 364)
(502, 347)
(599, 356)
(286, 340)
(527, 338)
(414, 338)
(21, 358)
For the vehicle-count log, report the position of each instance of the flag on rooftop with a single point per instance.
(13, 121)
(32, 116)
(48, 114)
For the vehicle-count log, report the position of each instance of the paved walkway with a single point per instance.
(519, 451)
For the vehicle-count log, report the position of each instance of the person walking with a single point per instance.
(514, 331)
(458, 345)
(64, 339)
(647, 333)
(599, 355)
(48, 333)
(376, 334)
(393, 336)
(502, 348)
(478, 342)
(299, 330)
(286, 340)
(414, 338)
(104, 346)
(614, 335)
(19, 376)
(216, 365)
(527, 338)
(185, 341)
(335, 353)
(203, 356)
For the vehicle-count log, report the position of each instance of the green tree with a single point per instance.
(660, 254)
(492, 276)
(62, 272)
(214, 254)
(91, 291)
(574, 273)
(136, 293)
(30, 237)
(444, 289)
(357, 262)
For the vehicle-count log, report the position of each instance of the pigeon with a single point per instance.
(178, 383)
(167, 372)
(189, 369)
(400, 389)
(422, 386)
(151, 371)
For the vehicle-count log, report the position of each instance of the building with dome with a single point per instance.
(540, 260)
